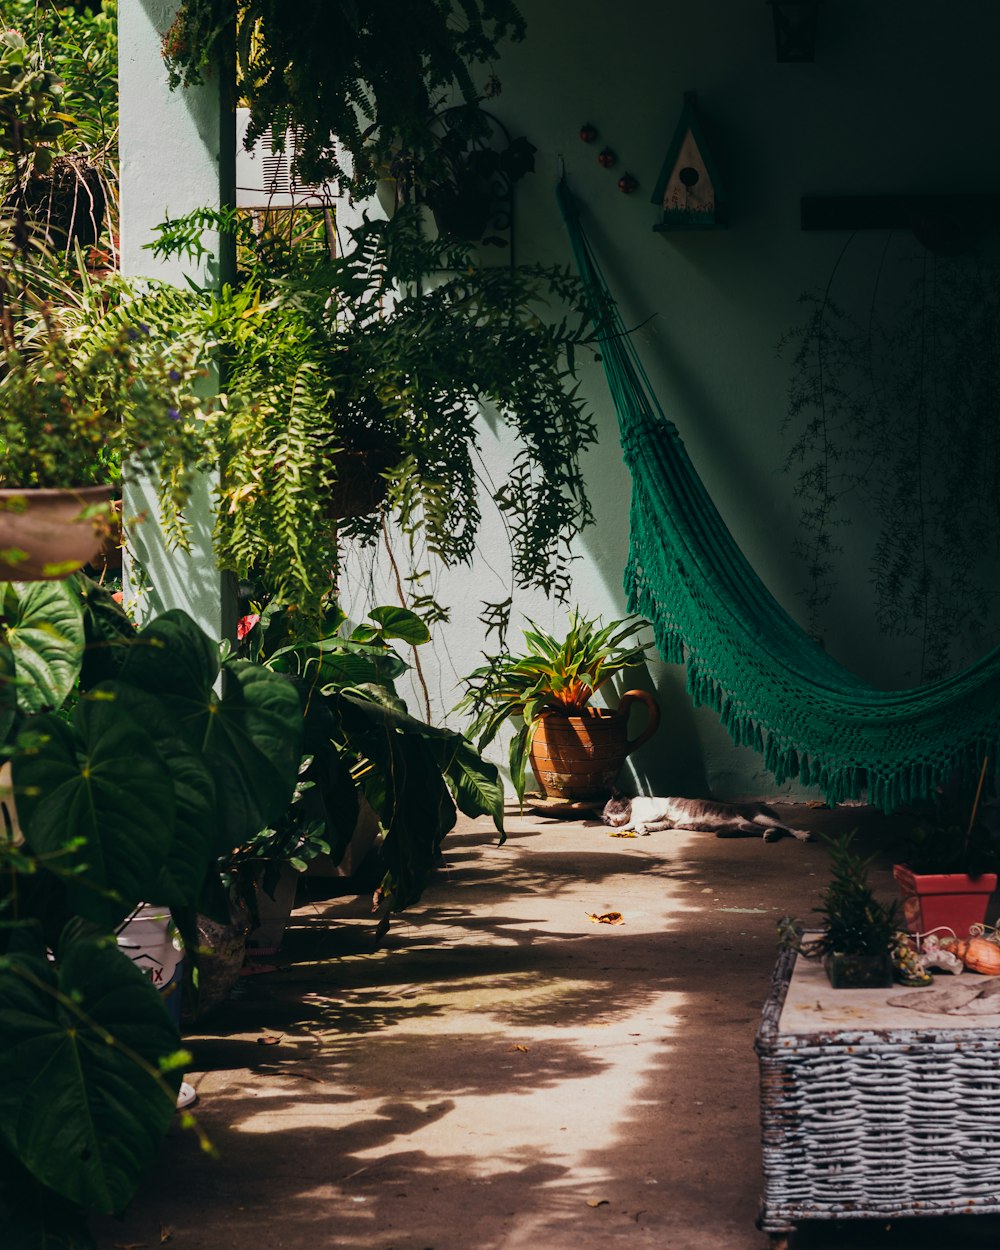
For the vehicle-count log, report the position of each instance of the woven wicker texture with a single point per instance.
(878, 1124)
(773, 687)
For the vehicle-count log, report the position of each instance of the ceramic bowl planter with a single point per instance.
(948, 900)
(580, 757)
(48, 534)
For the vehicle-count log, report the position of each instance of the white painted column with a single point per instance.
(178, 153)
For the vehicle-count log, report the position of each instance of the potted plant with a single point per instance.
(856, 939)
(947, 866)
(84, 383)
(372, 83)
(366, 757)
(576, 750)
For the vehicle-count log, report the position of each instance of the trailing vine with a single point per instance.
(897, 410)
(364, 354)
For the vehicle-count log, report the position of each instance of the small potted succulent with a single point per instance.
(576, 750)
(856, 941)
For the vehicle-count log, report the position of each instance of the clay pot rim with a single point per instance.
(55, 492)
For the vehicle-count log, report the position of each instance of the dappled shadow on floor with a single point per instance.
(504, 1074)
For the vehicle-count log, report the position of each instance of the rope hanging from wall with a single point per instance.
(774, 688)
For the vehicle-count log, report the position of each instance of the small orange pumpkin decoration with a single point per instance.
(979, 955)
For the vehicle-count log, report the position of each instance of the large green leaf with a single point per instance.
(253, 743)
(101, 779)
(250, 737)
(195, 843)
(44, 627)
(174, 658)
(108, 631)
(8, 691)
(401, 624)
(79, 1105)
(475, 782)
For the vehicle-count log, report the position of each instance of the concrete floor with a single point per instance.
(503, 1073)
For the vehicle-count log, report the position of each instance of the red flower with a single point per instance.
(245, 624)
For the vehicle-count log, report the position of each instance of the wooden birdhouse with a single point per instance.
(689, 190)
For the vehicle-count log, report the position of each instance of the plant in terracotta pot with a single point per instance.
(76, 402)
(576, 750)
(947, 864)
(84, 383)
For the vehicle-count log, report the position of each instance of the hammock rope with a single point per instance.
(774, 688)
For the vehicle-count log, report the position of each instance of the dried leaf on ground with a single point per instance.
(597, 1202)
(166, 1234)
(269, 1039)
(622, 833)
(606, 917)
(518, 1046)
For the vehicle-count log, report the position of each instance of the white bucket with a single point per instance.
(150, 939)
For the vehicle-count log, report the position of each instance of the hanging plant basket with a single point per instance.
(47, 534)
(361, 485)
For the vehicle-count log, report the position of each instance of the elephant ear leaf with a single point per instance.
(252, 740)
(173, 658)
(8, 691)
(100, 779)
(82, 1103)
(44, 629)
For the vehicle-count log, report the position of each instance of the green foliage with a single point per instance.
(951, 834)
(370, 74)
(854, 921)
(130, 794)
(83, 1102)
(361, 740)
(77, 399)
(558, 674)
(29, 95)
(364, 355)
(60, 172)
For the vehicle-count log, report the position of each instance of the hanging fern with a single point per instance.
(371, 74)
(362, 353)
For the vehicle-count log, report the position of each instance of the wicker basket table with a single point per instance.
(870, 1110)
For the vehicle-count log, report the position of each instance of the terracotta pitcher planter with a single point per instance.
(580, 757)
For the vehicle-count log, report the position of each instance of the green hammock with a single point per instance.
(774, 688)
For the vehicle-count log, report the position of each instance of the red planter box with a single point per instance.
(949, 900)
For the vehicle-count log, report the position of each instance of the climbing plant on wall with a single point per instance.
(894, 408)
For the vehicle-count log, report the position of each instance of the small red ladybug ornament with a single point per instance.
(627, 184)
(588, 133)
(606, 158)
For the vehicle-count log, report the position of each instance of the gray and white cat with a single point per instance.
(725, 820)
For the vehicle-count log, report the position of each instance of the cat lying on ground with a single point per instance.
(725, 820)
